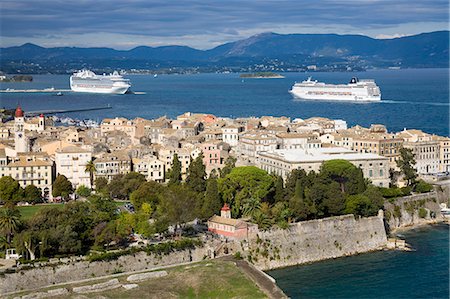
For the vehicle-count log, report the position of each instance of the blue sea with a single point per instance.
(411, 98)
(422, 273)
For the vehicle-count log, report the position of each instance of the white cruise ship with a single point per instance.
(88, 81)
(356, 90)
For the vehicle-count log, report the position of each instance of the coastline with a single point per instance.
(424, 223)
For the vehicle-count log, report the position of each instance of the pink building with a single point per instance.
(214, 155)
(226, 226)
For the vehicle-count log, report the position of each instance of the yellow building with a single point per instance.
(29, 169)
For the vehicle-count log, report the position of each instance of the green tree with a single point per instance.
(121, 186)
(262, 220)
(296, 177)
(175, 172)
(131, 182)
(10, 190)
(32, 194)
(406, 164)
(349, 177)
(334, 202)
(360, 204)
(279, 189)
(101, 184)
(62, 187)
(90, 167)
(9, 222)
(177, 205)
(83, 191)
(230, 163)
(250, 206)
(245, 182)
(149, 192)
(212, 202)
(196, 175)
(423, 187)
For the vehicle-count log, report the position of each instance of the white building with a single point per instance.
(252, 142)
(425, 149)
(230, 134)
(298, 140)
(71, 162)
(282, 162)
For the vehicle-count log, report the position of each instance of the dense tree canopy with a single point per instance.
(174, 174)
(245, 182)
(196, 175)
(62, 187)
(10, 190)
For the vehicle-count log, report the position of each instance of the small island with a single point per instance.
(16, 78)
(261, 75)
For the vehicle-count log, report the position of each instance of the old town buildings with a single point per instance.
(34, 151)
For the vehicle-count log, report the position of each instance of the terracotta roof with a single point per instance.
(228, 221)
(19, 112)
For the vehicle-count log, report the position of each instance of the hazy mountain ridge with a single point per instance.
(422, 50)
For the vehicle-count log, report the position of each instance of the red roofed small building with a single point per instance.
(228, 227)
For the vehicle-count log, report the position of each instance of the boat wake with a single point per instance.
(414, 103)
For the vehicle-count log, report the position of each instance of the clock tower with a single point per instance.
(20, 140)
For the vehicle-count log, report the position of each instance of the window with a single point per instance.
(370, 172)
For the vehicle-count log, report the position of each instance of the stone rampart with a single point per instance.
(315, 240)
(73, 271)
(413, 210)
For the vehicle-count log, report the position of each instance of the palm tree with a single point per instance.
(250, 206)
(90, 167)
(9, 222)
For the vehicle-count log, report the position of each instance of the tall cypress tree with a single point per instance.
(279, 190)
(175, 171)
(196, 178)
(212, 202)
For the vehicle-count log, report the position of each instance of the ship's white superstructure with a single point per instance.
(356, 90)
(88, 81)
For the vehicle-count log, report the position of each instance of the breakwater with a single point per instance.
(316, 240)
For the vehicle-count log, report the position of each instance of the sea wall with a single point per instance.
(414, 210)
(315, 240)
(69, 271)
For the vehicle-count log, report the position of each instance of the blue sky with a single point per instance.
(205, 24)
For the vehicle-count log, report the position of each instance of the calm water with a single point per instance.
(412, 98)
(423, 273)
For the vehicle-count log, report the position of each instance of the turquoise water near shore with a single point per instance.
(422, 273)
(411, 98)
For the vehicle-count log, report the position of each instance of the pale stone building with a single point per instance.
(118, 124)
(110, 165)
(298, 140)
(230, 134)
(71, 162)
(425, 149)
(282, 162)
(252, 142)
(444, 153)
(29, 169)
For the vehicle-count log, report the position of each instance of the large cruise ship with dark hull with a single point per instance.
(356, 90)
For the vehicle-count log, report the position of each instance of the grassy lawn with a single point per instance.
(208, 279)
(28, 211)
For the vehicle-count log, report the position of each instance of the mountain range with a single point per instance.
(282, 52)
